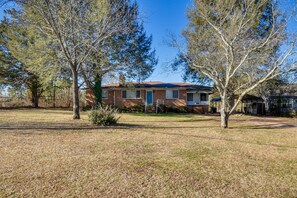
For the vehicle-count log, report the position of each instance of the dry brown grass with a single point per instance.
(46, 154)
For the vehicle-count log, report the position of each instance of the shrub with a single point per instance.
(292, 114)
(133, 109)
(103, 116)
(87, 108)
(161, 108)
(172, 109)
(184, 109)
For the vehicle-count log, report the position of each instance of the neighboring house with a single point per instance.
(250, 104)
(280, 104)
(154, 94)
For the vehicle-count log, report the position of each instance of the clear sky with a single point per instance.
(162, 17)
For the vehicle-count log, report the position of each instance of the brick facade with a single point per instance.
(115, 98)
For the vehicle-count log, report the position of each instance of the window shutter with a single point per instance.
(168, 94)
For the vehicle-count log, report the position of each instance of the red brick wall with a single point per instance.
(157, 94)
(90, 98)
(181, 102)
(199, 109)
(121, 102)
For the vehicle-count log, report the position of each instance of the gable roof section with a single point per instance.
(157, 84)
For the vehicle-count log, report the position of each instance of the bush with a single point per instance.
(133, 109)
(87, 108)
(161, 108)
(292, 114)
(172, 109)
(103, 116)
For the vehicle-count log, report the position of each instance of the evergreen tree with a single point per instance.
(14, 72)
(129, 54)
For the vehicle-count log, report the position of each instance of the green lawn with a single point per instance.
(44, 153)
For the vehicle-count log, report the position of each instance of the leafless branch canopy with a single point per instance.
(238, 44)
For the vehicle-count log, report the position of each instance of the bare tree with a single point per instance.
(77, 28)
(238, 44)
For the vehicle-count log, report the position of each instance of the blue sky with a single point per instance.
(160, 18)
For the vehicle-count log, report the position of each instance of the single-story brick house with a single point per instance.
(152, 94)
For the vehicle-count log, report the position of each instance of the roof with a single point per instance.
(157, 84)
(216, 99)
(246, 97)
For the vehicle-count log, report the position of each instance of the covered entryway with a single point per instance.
(197, 98)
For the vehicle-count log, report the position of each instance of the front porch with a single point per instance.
(197, 98)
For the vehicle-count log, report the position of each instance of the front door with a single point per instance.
(149, 97)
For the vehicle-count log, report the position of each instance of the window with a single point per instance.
(172, 94)
(131, 94)
(124, 94)
(190, 97)
(203, 97)
(137, 94)
(104, 94)
(175, 94)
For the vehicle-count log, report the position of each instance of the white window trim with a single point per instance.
(172, 94)
(131, 98)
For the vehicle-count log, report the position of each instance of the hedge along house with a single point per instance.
(153, 94)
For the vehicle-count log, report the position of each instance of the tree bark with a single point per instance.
(224, 119)
(35, 100)
(68, 97)
(97, 90)
(224, 114)
(35, 94)
(54, 96)
(76, 114)
(266, 103)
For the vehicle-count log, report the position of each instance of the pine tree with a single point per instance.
(128, 54)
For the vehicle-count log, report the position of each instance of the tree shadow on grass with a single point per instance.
(189, 120)
(85, 127)
(66, 127)
(265, 126)
(222, 139)
(45, 127)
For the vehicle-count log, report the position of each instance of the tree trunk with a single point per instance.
(35, 95)
(97, 89)
(35, 100)
(54, 96)
(76, 114)
(224, 119)
(224, 114)
(68, 97)
(266, 103)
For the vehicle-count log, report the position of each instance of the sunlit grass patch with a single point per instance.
(46, 153)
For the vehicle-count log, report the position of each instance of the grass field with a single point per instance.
(44, 153)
